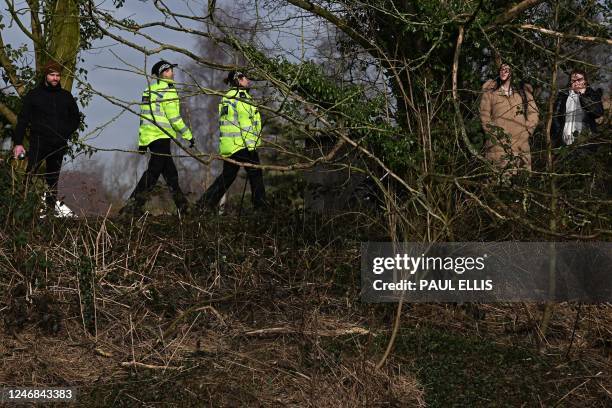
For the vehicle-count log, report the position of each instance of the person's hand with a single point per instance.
(18, 151)
(142, 149)
(192, 143)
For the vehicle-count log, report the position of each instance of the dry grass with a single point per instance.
(239, 318)
(258, 313)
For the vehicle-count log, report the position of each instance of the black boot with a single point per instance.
(182, 205)
(205, 204)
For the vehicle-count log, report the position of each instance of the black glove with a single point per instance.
(192, 143)
(142, 149)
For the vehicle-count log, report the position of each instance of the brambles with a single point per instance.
(211, 300)
(17, 200)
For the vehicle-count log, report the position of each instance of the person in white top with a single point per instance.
(576, 109)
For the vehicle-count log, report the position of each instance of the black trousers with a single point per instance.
(53, 156)
(220, 186)
(160, 163)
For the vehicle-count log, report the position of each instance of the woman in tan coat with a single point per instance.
(509, 115)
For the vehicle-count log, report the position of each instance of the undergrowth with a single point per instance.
(264, 310)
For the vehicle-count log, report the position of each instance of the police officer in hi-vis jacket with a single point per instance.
(160, 120)
(240, 131)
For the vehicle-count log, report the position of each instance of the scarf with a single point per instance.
(573, 117)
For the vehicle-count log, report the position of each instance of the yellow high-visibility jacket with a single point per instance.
(239, 123)
(160, 114)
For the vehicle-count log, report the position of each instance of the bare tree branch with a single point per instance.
(339, 23)
(455, 72)
(161, 46)
(8, 114)
(22, 27)
(10, 69)
(37, 34)
(513, 12)
(553, 33)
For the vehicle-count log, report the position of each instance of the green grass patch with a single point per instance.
(462, 371)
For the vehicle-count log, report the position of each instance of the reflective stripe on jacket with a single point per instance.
(239, 123)
(160, 114)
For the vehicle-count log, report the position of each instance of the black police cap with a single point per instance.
(161, 66)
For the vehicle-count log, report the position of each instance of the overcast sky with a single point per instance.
(122, 133)
(106, 54)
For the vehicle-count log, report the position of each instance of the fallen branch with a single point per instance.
(274, 331)
(133, 364)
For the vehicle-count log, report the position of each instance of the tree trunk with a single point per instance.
(64, 38)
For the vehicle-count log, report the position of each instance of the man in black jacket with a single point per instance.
(52, 115)
(576, 109)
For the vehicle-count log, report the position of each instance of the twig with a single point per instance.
(574, 331)
(135, 364)
(273, 331)
(169, 332)
(103, 353)
(571, 391)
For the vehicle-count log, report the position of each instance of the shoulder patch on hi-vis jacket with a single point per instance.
(224, 110)
(146, 98)
(242, 94)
